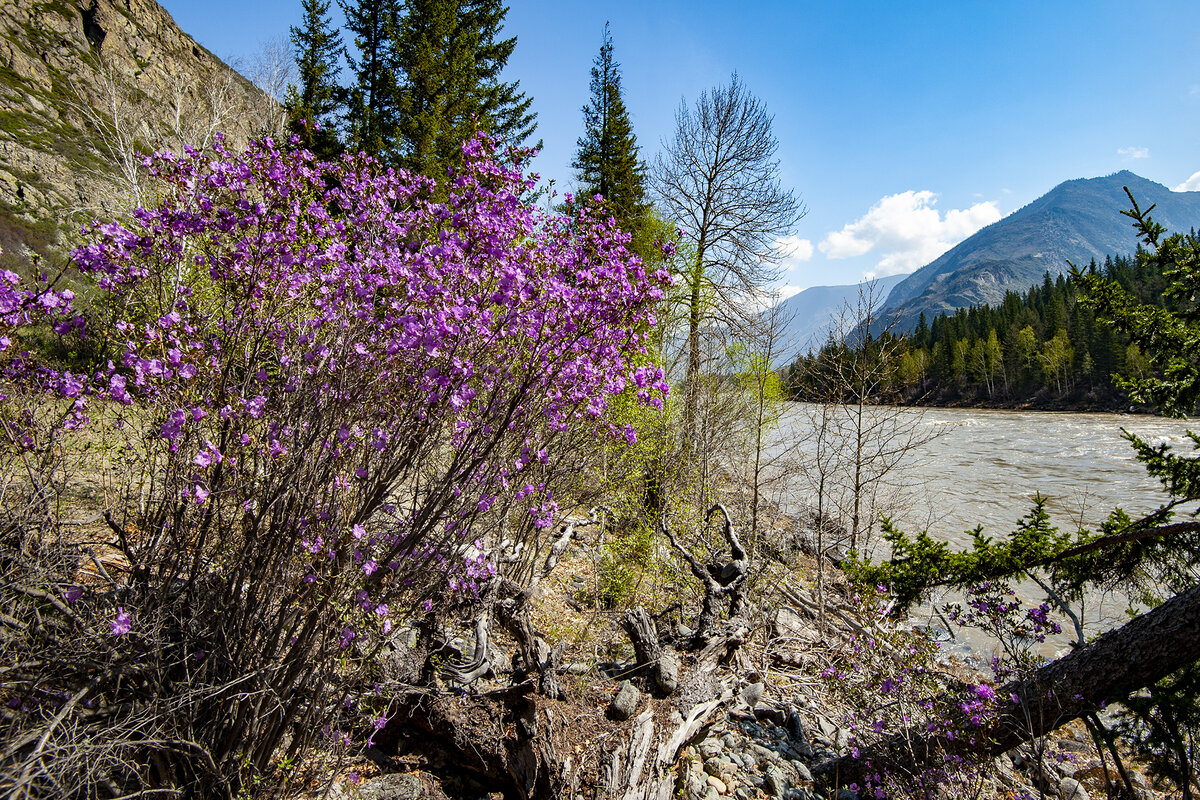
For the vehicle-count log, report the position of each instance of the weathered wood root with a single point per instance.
(720, 580)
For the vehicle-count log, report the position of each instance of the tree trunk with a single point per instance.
(1108, 670)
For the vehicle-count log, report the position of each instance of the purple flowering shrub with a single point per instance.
(891, 681)
(328, 394)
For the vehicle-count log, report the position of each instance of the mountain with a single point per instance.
(1075, 221)
(810, 315)
(84, 87)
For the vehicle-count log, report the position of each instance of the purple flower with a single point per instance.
(72, 594)
(121, 623)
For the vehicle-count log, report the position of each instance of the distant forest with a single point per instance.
(1040, 349)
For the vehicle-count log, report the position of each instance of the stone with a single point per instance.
(400, 786)
(1071, 789)
(752, 693)
(763, 753)
(828, 729)
(802, 771)
(625, 702)
(789, 624)
(796, 732)
(666, 672)
(710, 748)
(718, 784)
(774, 781)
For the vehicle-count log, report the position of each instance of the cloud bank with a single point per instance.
(907, 230)
(1192, 184)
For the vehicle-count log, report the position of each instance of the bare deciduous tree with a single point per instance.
(719, 179)
(857, 442)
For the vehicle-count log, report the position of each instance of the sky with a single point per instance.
(903, 127)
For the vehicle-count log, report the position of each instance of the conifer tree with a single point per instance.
(449, 60)
(607, 158)
(312, 106)
(371, 112)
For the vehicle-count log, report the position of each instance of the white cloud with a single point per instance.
(1134, 152)
(1192, 184)
(793, 251)
(907, 230)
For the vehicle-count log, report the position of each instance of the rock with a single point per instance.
(625, 702)
(718, 784)
(710, 748)
(50, 56)
(774, 781)
(666, 672)
(762, 753)
(794, 726)
(752, 693)
(802, 771)
(1071, 789)
(401, 786)
(828, 729)
(790, 624)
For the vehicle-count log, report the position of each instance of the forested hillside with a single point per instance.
(1040, 348)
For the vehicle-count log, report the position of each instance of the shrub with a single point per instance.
(325, 390)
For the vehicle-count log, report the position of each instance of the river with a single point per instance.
(983, 467)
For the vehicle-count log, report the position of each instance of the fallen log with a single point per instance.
(1107, 670)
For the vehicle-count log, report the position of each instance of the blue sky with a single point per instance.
(903, 126)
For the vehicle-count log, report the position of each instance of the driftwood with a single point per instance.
(720, 580)
(518, 741)
(527, 740)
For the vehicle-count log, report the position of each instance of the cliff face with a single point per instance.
(85, 85)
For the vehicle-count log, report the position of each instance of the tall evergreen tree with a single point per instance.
(371, 111)
(607, 158)
(316, 101)
(449, 60)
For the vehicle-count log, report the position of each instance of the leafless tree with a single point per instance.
(272, 69)
(860, 441)
(719, 179)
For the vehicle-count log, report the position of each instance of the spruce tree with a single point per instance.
(449, 60)
(371, 111)
(607, 159)
(312, 106)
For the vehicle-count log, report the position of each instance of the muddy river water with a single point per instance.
(984, 467)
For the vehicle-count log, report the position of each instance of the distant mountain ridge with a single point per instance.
(808, 316)
(1076, 221)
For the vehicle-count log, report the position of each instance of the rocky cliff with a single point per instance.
(85, 85)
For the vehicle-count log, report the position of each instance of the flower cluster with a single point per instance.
(330, 386)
